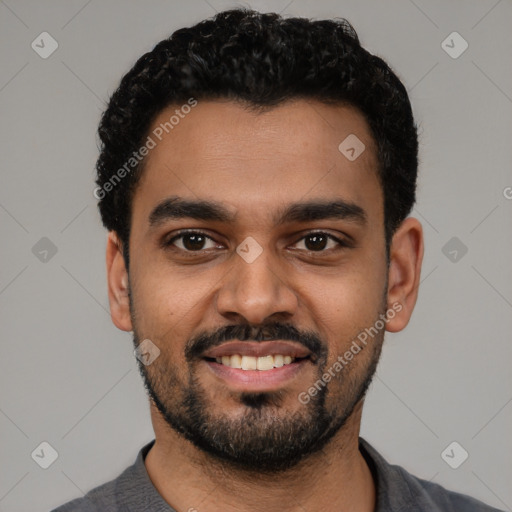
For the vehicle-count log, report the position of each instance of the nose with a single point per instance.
(256, 291)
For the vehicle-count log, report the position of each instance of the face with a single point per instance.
(257, 258)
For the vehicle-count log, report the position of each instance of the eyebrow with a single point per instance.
(176, 207)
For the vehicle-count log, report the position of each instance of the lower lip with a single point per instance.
(258, 380)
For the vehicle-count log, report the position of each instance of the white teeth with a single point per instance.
(265, 363)
(236, 361)
(255, 363)
(249, 363)
(278, 360)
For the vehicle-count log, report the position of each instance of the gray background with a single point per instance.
(69, 377)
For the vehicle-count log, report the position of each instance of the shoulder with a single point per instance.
(400, 491)
(436, 498)
(101, 498)
(131, 490)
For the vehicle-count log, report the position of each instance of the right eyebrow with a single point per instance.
(179, 208)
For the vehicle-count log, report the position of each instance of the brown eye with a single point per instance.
(191, 241)
(319, 242)
(316, 242)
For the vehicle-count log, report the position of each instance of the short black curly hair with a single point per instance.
(261, 60)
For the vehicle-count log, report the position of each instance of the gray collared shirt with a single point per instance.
(397, 491)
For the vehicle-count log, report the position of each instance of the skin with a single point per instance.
(255, 164)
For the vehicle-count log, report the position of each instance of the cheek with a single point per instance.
(352, 289)
(167, 296)
(343, 306)
(169, 306)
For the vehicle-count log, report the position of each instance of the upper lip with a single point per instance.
(258, 349)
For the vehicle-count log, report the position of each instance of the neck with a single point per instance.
(335, 478)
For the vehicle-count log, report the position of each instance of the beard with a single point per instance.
(262, 439)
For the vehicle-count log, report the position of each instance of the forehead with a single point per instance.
(255, 162)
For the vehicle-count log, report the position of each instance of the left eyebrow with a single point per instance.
(178, 208)
(322, 210)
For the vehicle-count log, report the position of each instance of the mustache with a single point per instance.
(244, 332)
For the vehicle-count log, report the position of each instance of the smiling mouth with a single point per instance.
(262, 363)
(264, 366)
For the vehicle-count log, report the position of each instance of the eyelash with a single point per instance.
(170, 243)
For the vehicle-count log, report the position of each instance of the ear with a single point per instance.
(118, 286)
(406, 255)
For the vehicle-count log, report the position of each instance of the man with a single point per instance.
(255, 176)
